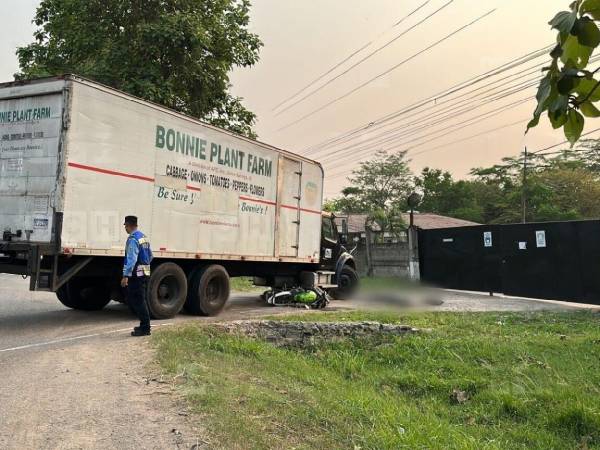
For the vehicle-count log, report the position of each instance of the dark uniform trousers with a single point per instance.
(136, 297)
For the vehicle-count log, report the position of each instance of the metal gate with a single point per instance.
(556, 260)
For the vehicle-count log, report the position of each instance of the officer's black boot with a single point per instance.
(137, 331)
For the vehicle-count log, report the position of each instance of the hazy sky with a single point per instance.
(305, 38)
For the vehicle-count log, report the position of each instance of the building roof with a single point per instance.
(425, 221)
(356, 222)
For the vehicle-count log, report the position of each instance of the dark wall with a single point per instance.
(564, 265)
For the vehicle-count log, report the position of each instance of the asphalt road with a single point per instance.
(77, 380)
(28, 318)
(38, 319)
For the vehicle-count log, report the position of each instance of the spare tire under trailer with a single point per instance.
(84, 293)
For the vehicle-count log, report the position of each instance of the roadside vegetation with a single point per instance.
(561, 185)
(244, 284)
(475, 381)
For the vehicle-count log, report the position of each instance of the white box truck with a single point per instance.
(77, 156)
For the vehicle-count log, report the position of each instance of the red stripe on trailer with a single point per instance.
(310, 211)
(110, 172)
(256, 200)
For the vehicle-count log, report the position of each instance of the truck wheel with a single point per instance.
(209, 291)
(347, 284)
(167, 290)
(84, 293)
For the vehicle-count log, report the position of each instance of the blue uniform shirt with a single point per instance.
(138, 255)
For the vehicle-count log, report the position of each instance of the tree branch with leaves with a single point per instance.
(178, 53)
(569, 90)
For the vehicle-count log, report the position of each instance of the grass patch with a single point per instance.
(244, 284)
(532, 381)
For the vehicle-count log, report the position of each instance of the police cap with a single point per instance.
(131, 220)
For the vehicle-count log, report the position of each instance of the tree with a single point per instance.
(586, 155)
(174, 52)
(436, 187)
(565, 187)
(382, 183)
(463, 199)
(569, 90)
(380, 188)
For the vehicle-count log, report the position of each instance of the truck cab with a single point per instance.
(336, 258)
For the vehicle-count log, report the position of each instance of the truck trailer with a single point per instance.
(76, 157)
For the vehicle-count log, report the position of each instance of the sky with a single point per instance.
(305, 39)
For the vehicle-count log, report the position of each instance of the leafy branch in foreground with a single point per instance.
(569, 90)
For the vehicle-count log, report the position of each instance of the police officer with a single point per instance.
(136, 270)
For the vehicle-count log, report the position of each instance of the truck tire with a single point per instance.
(347, 284)
(209, 291)
(167, 291)
(84, 293)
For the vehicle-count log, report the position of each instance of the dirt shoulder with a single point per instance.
(95, 394)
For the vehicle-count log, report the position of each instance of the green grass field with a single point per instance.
(532, 382)
(244, 284)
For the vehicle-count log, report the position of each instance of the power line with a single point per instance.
(434, 98)
(458, 126)
(445, 113)
(465, 123)
(453, 103)
(416, 106)
(452, 129)
(409, 15)
(316, 80)
(367, 57)
(346, 171)
(562, 143)
(445, 38)
(512, 124)
(425, 122)
(348, 58)
(540, 152)
(452, 115)
(446, 145)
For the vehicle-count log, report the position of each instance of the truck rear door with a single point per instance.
(30, 128)
(288, 207)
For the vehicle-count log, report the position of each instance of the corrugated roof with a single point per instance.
(425, 221)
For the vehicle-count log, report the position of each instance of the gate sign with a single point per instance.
(540, 239)
(487, 238)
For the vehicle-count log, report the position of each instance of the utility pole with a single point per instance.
(524, 188)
